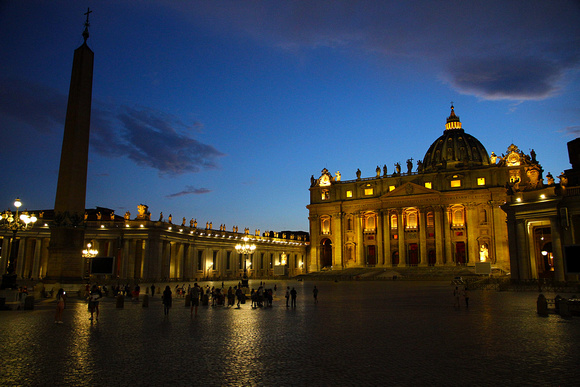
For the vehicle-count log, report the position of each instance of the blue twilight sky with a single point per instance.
(222, 110)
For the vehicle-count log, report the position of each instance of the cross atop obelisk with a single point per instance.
(87, 24)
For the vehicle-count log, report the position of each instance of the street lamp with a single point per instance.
(90, 253)
(244, 249)
(14, 222)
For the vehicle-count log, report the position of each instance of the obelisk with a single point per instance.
(65, 262)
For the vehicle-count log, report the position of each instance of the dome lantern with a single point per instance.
(453, 120)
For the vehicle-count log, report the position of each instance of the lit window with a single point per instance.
(391, 187)
(481, 181)
(394, 222)
(368, 191)
(412, 219)
(458, 218)
(325, 194)
(325, 225)
(455, 183)
(428, 184)
(349, 194)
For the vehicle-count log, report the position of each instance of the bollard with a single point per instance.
(145, 303)
(29, 303)
(120, 301)
(564, 308)
(188, 300)
(542, 305)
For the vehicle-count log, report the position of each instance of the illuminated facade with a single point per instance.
(544, 225)
(445, 213)
(146, 250)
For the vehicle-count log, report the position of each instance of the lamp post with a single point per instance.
(89, 253)
(245, 249)
(14, 222)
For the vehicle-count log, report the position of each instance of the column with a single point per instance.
(336, 230)
(422, 237)
(5, 254)
(439, 235)
(360, 247)
(559, 273)
(447, 233)
(379, 239)
(401, 235)
(472, 233)
(37, 256)
(522, 250)
(314, 263)
(387, 238)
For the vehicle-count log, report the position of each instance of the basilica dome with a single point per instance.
(455, 149)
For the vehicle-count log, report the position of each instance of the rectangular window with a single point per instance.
(214, 262)
(368, 191)
(428, 184)
(391, 187)
(455, 183)
(481, 181)
(349, 194)
(228, 260)
(262, 261)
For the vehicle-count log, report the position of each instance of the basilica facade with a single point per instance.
(446, 212)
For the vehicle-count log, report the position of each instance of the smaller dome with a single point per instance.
(455, 149)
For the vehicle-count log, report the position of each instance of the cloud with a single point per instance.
(189, 190)
(155, 139)
(517, 50)
(506, 78)
(146, 136)
(572, 130)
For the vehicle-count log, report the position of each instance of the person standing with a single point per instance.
(166, 298)
(287, 296)
(466, 296)
(194, 299)
(239, 295)
(60, 299)
(293, 294)
(94, 298)
(152, 290)
(315, 293)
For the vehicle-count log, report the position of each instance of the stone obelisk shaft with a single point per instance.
(67, 233)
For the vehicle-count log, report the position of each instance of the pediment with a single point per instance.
(409, 189)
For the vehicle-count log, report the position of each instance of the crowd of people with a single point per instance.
(215, 296)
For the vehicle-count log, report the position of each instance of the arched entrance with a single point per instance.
(460, 253)
(325, 253)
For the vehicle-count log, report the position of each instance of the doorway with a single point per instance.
(326, 254)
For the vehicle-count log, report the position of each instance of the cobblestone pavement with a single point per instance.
(360, 333)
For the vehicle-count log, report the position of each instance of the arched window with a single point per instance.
(457, 217)
(370, 222)
(411, 219)
(394, 222)
(325, 225)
